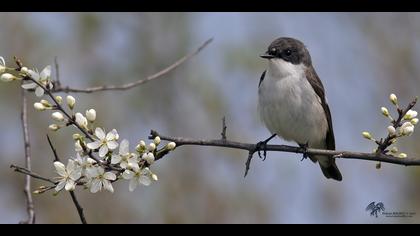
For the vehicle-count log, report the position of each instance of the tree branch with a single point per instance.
(59, 88)
(252, 148)
(27, 189)
(78, 207)
(32, 174)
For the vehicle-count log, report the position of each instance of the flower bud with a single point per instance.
(59, 99)
(385, 111)
(45, 103)
(402, 155)
(410, 114)
(148, 157)
(71, 101)
(151, 147)
(24, 70)
(414, 121)
(53, 127)
(154, 177)
(391, 130)
(6, 77)
(367, 135)
(156, 140)
(57, 116)
(2, 65)
(81, 120)
(171, 146)
(407, 128)
(76, 136)
(39, 107)
(91, 115)
(393, 98)
(394, 150)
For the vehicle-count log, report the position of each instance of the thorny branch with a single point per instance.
(59, 88)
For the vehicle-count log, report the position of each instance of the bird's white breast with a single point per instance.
(289, 106)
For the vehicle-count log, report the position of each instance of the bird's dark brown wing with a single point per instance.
(319, 90)
(262, 78)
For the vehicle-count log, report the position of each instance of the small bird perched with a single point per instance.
(292, 102)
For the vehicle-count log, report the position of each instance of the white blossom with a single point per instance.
(59, 99)
(124, 157)
(70, 101)
(105, 142)
(91, 115)
(414, 121)
(138, 176)
(100, 179)
(85, 163)
(68, 175)
(42, 78)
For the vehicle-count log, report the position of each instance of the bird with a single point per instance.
(292, 102)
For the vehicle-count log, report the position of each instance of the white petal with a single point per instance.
(46, 72)
(39, 92)
(70, 165)
(70, 185)
(128, 174)
(100, 133)
(76, 174)
(100, 170)
(115, 159)
(29, 86)
(60, 185)
(108, 185)
(145, 180)
(124, 147)
(60, 168)
(33, 75)
(132, 185)
(94, 145)
(112, 144)
(110, 176)
(95, 186)
(92, 172)
(124, 165)
(103, 150)
(115, 133)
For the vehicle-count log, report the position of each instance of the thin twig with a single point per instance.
(32, 174)
(223, 128)
(27, 189)
(57, 73)
(56, 158)
(78, 207)
(138, 82)
(252, 148)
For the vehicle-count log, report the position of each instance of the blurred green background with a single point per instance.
(360, 57)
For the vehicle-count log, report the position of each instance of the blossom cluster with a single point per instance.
(400, 127)
(114, 160)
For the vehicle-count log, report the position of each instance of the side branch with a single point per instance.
(136, 83)
(252, 148)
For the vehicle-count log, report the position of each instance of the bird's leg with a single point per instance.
(262, 146)
(305, 150)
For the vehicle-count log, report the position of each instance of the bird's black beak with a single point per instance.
(267, 56)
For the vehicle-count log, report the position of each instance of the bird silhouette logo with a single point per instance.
(375, 209)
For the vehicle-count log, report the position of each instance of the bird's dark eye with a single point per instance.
(288, 52)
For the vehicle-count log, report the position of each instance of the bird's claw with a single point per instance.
(262, 146)
(305, 151)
